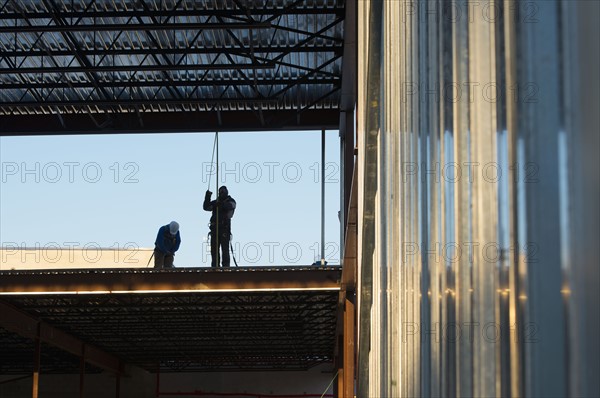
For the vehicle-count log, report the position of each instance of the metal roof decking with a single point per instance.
(143, 66)
(181, 319)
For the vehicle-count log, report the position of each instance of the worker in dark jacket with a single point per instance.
(220, 224)
(167, 243)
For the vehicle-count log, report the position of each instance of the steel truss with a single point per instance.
(116, 63)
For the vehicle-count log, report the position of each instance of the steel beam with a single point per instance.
(23, 324)
(108, 27)
(30, 122)
(178, 280)
(180, 12)
(242, 50)
(131, 68)
(160, 83)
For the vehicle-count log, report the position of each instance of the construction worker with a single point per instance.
(220, 224)
(167, 243)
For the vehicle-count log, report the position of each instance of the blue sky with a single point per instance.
(117, 190)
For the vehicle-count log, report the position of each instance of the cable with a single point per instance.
(231, 246)
(150, 260)
(215, 150)
(212, 159)
(330, 383)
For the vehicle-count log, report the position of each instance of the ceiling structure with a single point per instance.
(143, 66)
(195, 319)
(123, 66)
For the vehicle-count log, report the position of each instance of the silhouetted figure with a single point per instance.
(220, 224)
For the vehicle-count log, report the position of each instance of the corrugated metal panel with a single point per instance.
(473, 272)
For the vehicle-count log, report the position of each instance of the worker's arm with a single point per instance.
(208, 205)
(160, 240)
(177, 242)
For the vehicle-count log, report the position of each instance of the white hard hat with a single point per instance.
(173, 227)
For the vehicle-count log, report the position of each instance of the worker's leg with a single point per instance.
(213, 250)
(159, 259)
(225, 249)
(169, 258)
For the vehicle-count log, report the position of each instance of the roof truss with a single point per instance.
(194, 63)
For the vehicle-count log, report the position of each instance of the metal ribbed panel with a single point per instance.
(473, 273)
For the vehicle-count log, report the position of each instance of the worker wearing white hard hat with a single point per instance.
(167, 243)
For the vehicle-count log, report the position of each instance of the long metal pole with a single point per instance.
(218, 254)
(36, 363)
(323, 197)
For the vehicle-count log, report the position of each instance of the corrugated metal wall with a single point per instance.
(478, 198)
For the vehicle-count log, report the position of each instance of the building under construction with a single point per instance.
(469, 135)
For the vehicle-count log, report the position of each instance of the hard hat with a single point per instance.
(173, 227)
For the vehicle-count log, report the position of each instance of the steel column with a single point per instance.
(37, 351)
(371, 131)
(347, 374)
(338, 390)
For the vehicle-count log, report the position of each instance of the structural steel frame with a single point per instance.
(129, 66)
(183, 319)
(105, 66)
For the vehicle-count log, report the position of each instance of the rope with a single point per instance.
(231, 246)
(150, 260)
(216, 150)
(330, 383)
(212, 159)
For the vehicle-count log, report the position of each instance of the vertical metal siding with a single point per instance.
(475, 287)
